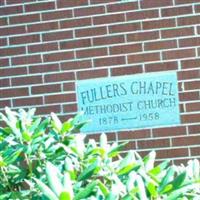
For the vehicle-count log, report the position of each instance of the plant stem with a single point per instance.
(29, 163)
(6, 178)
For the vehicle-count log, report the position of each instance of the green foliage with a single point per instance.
(42, 159)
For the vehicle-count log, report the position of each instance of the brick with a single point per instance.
(3, 42)
(195, 151)
(153, 3)
(71, 3)
(179, 161)
(4, 103)
(190, 74)
(92, 74)
(153, 143)
(95, 137)
(118, 71)
(172, 153)
(24, 39)
(30, 101)
(124, 27)
(144, 57)
(130, 146)
(176, 11)
(12, 51)
(58, 77)
(2, 2)
(198, 50)
(128, 135)
(108, 40)
(66, 117)
(175, 54)
(190, 118)
(158, 24)
(190, 107)
(3, 21)
(13, 92)
(197, 8)
(186, 1)
(43, 68)
(70, 86)
(43, 47)
(194, 129)
(60, 35)
(4, 62)
(22, 60)
(74, 65)
(191, 63)
(137, 15)
(91, 31)
(42, 27)
(102, 1)
(59, 98)
(21, 19)
(178, 32)
(5, 10)
(60, 14)
(110, 136)
(108, 19)
(123, 49)
(189, 96)
(181, 108)
(70, 108)
(109, 61)
(168, 132)
(58, 56)
(198, 29)
(13, 71)
(193, 85)
(72, 44)
(182, 21)
(45, 110)
(185, 141)
(189, 42)
(70, 23)
(180, 87)
(94, 52)
(143, 36)
(88, 11)
(46, 89)
(9, 2)
(4, 82)
(39, 6)
(157, 45)
(14, 30)
(164, 66)
(123, 6)
(27, 80)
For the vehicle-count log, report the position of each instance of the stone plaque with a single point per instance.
(129, 102)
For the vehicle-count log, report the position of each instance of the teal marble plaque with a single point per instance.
(129, 102)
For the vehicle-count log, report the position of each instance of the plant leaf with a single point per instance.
(67, 126)
(56, 123)
(115, 149)
(46, 190)
(65, 196)
(89, 171)
(53, 176)
(84, 193)
(103, 188)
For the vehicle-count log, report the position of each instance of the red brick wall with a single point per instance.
(45, 46)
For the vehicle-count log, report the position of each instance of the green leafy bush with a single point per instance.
(44, 159)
